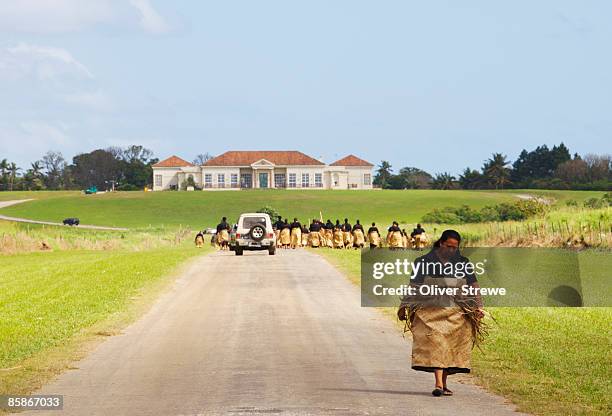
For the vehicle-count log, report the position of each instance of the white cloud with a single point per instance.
(44, 62)
(150, 20)
(54, 16)
(62, 16)
(45, 75)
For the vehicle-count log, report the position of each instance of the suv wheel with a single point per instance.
(257, 233)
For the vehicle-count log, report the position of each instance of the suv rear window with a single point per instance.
(249, 222)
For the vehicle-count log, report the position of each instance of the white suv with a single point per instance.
(254, 232)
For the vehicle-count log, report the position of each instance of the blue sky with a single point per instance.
(437, 84)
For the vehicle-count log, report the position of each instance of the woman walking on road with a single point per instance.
(445, 328)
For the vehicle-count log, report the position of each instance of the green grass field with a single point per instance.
(546, 360)
(204, 209)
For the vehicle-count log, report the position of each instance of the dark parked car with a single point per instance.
(71, 221)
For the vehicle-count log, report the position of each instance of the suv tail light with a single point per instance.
(270, 235)
(237, 235)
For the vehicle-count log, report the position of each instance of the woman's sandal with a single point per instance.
(447, 392)
(437, 392)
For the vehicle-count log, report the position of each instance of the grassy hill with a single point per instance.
(203, 209)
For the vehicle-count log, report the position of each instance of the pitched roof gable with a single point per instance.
(351, 160)
(173, 162)
(248, 157)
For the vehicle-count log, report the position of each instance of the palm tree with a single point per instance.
(497, 171)
(3, 168)
(383, 174)
(443, 181)
(470, 179)
(36, 168)
(12, 169)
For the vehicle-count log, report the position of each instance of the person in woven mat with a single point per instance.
(347, 237)
(285, 234)
(374, 236)
(223, 229)
(394, 236)
(358, 235)
(445, 328)
(295, 229)
(338, 239)
(199, 239)
(315, 234)
(305, 235)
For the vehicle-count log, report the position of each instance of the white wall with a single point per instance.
(169, 177)
(356, 175)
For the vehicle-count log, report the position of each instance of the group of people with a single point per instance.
(221, 237)
(345, 235)
(327, 234)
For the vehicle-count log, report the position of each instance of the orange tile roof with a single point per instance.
(172, 162)
(247, 157)
(351, 160)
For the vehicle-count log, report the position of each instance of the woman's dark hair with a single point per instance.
(446, 235)
(373, 224)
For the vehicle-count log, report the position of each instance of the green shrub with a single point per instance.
(595, 203)
(517, 211)
(510, 212)
(442, 216)
(467, 214)
(572, 203)
(273, 213)
(532, 208)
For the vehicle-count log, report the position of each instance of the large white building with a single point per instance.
(263, 169)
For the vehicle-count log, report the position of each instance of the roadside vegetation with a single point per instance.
(22, 238)
(546, 360)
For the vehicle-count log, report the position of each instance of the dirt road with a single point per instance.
(257, 334)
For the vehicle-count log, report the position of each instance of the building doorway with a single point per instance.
(263, 179)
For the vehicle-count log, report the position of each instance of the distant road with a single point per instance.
(259, 334)
(4, 204)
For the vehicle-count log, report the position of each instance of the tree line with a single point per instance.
(125, 169)
(541, 168)
(128, 168)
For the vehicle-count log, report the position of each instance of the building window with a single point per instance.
(305, 180)
(292, 180)
(221, 180)
(158, 180)
(234, 179)
(318, 180)
(208, 180)
(246, 180)
(280, 180)
(367, 179)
